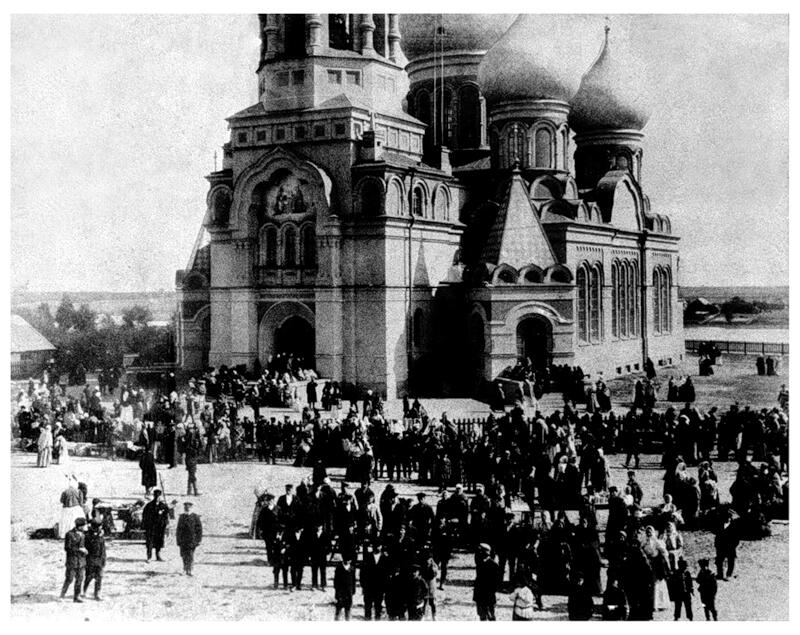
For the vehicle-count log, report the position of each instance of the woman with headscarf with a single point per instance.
(45, 447)
(71, 507)
(656, 553)
(673, 541)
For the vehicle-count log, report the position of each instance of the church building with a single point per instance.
(415, 202)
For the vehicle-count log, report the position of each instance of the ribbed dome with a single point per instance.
(533, 60)
(613, 94)
(462, 32)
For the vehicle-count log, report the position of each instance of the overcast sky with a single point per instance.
(115, 120)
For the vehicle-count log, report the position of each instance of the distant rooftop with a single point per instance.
(25, 338)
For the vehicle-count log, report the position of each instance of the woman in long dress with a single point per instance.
(673, 541)
(44, 447)
(656, 553)
(71, 507)
(126, 406)
(60, 449)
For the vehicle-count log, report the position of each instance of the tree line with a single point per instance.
(83, 337)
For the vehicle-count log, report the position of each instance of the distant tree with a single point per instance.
(65, 313)
(737, 305)
(137, 315)
(85, 318)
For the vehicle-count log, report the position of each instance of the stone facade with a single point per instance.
(412, 230)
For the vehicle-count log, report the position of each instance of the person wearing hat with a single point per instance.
(421, 517)
(487, 581)
(155, 518)
(344, 585)
(189, 535)
(96, 557)
(707, 587)
(75, 547)
(417, 594)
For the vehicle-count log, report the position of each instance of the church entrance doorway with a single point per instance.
(296, 337)
(535, 341)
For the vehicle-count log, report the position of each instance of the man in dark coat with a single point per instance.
(149, 475)
(375, 571)
(268, 524)
(75, 547)
(296, 553)
(155, 518)
(95, 543)
(288, 508)
(421, 517)
(189, 535)
(726, 542)
(487, 580)
(344, 585)
(193, 446)
(318, 546)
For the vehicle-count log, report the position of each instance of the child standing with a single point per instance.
(682, 590)
(707, 586)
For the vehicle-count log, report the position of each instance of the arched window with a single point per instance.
(424, 106)
(441, 204)
(379, 35)
(447, 117)
(582, 284)
(268, 247)
(395, 202)
(309, 242)
(418, 325)
(418, 201)
(666, 305)
(294, 34)
(470, 128)
(614, 299)
(622, 299)
(631, 308)
(221, 207)
(657, 300)
(595, 304)
(636, 297)
(290, 247)
(339, 36)
(544, 148)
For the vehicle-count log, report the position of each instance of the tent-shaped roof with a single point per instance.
(25, 338)
(516, 237)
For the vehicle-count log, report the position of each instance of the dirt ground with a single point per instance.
(232, 580)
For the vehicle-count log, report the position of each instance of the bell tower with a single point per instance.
(306, 59)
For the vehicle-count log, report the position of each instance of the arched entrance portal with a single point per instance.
(535, 341)
(296, 337)
(287, 327)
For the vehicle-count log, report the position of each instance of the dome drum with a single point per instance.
(597, 153)
(530, 109)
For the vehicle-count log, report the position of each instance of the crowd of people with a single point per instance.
(506, 486)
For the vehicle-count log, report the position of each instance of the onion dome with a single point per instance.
(613, 93)
(533, 60)
(461, 32)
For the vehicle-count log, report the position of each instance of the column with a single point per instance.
(314, 42)
(366, 29)
(270, 36)
(394, 37)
